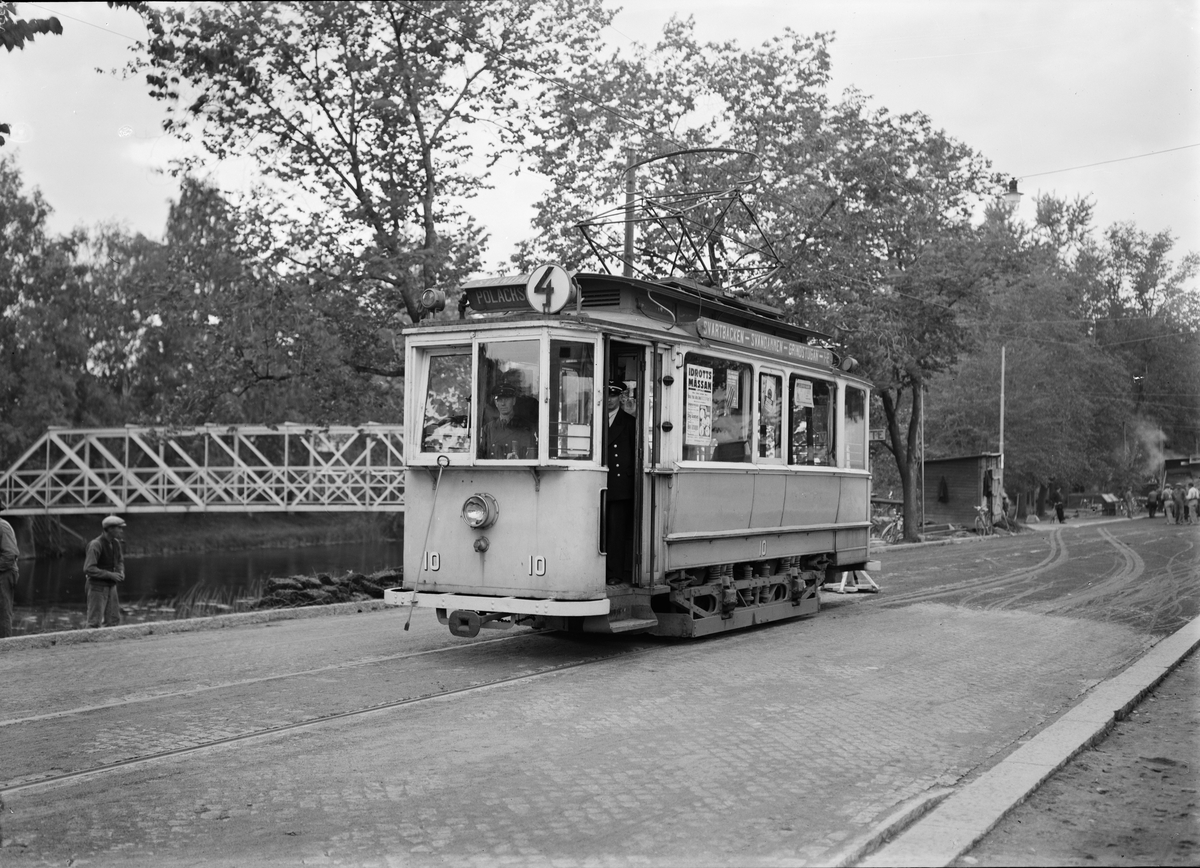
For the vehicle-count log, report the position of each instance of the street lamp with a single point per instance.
(1012, 198)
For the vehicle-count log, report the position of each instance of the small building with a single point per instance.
(955, 486)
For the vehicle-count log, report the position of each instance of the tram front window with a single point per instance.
(572, 373)
(445, 426)
(509, 385)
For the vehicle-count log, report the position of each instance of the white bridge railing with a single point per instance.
(232, 468)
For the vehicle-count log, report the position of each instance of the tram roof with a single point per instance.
(683, 299)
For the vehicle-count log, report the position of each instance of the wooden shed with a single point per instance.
(955, 486)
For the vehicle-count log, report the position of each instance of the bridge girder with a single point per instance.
(210, 468)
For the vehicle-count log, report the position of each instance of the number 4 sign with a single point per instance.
(548, 289)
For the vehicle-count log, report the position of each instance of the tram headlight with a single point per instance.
(480, 511)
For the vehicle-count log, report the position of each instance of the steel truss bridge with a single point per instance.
(213, 468)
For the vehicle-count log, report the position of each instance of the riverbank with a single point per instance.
(290, 592)
(154, 535)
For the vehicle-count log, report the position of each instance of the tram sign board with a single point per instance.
(493, 295)
(722, 332)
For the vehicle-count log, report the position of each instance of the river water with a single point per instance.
(50, 582)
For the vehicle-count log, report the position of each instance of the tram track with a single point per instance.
(40, 780)
(1058, 554)
(130, 700)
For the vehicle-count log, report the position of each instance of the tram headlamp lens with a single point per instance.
(480, 511)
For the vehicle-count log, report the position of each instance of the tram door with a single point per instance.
(623, 452)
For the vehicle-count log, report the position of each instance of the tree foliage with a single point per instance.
(866, 213)
(1102, 357)
(361, 116)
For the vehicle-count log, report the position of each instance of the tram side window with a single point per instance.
(716, 409)
(856, 428)
(572, 399)
(509, 385)
(810, 421)
(770, 421)
(445, 425)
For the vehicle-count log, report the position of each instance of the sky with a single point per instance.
(1094, 98)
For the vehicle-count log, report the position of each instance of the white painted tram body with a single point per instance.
(752, 484)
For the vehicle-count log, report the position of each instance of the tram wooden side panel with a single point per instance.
(781, 515)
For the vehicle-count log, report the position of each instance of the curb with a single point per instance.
(962, 819)
(187, 625)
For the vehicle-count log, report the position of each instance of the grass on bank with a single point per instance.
(199, 601)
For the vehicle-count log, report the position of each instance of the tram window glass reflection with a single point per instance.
(509, 384)
(770, 419)
(572, 399)
(810, 421)
(445, 424)
(856, 429)
(716, 409)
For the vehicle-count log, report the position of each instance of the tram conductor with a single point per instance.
(622, 457)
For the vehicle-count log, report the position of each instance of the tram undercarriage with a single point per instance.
(692, 603)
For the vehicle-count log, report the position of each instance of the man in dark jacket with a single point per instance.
(622, 481)
(9, 553)
(104, 569)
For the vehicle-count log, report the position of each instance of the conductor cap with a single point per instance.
(616, 387)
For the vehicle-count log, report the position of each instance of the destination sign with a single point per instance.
(782, 348)
(497, 297)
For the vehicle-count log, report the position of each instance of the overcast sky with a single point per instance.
(1045, 89)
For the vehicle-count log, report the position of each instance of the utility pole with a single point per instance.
(1002, 414)
(630, 191)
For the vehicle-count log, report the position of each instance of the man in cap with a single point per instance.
(505, 436)
(104, 569)
(622, 456)
(9, 553)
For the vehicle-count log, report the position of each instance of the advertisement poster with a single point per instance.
(802, 393)
(699, 406)
(732, 390)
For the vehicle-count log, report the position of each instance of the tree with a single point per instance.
(867, 215)
(362, 115)
(63, 330)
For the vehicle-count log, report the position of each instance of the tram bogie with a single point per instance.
(601, 454)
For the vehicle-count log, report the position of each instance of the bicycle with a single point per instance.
(894, 532)
(983, 521)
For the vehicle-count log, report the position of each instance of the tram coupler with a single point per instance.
(466, 624)
(799, 582)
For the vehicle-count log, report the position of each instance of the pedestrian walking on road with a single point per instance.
(9, 553)
(1129, 501)
(104, 569)
(1168, 500)
(1180, 503)
(1193, 501)
(1152, 501)
(1056, 496)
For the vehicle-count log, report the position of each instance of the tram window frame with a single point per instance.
(486, 383)
(704, 419)
(856, 447)
(815, 454)
(761, 395)
(559, 437)
(427, 358)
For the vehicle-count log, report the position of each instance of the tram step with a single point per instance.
(628, 624)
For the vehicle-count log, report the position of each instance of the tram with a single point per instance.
(608, 454)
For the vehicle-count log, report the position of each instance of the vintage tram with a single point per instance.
(739, 486)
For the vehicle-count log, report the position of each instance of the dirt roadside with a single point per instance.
(1130, 800)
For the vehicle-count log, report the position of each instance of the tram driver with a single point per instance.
(508, 435)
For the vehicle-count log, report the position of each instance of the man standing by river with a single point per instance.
(104, 569)
(9, 553)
